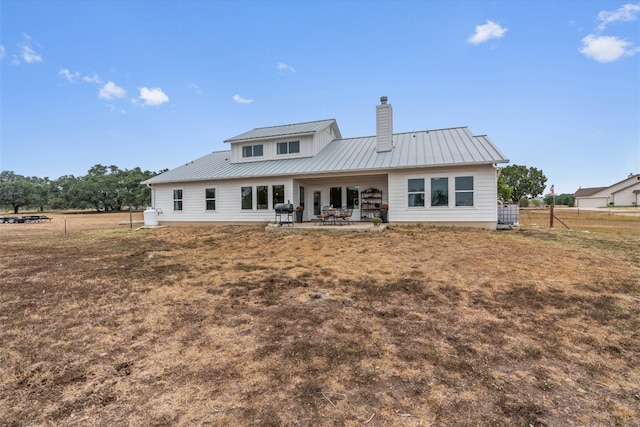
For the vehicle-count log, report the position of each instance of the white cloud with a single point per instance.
(241, 100)
(153, 97)
(486, 32)
(627, 13)
(92, 79)
(72, 77)
(606, 48)
(286, 68)
(610, 48)
(29, 55)
(110, 91)
(2, 52)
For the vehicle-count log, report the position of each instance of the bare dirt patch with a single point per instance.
(232, 325)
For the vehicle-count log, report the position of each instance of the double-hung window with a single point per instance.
(439, 192)
(210, 198)
(252, 150)
(288, 147)
(464, 191)
(416, 192)
(177, 200)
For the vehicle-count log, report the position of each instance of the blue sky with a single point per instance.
(155, 84)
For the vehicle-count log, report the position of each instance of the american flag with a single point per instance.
(552, 190)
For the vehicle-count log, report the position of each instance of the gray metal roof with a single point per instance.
(284, 130)
(431, 148)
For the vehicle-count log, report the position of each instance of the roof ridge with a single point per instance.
(294, 124)
(414, 131)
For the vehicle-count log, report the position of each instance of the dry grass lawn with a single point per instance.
(230, 325)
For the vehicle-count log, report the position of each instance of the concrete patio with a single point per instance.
(353, 226)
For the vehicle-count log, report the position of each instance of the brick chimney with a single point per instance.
(384, 126)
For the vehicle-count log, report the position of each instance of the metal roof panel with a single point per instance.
(283, 130)
(431, 148)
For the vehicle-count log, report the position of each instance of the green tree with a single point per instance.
(65, 193)
(102, 187)
(87, 192)
(504, 191)
(560, 199)
(130, 192)
(41, 196)
(524, 182)
(17, 191)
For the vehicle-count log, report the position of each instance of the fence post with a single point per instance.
(551, 216)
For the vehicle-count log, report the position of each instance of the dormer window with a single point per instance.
(252, 150)
(289, 147)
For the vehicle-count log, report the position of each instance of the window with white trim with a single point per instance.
(177, 200)
(352, 197)
(210, 198)
(289, 147)
(278, 194)
(439, 191)
(262, 197)
(415, 191)
(252, 150)
(464, 191)
(335, 197)
(247, 197)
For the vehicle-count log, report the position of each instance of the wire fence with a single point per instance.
(624, 221)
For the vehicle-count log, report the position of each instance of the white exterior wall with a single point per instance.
(270, 149)
(394, 187)
(322, 139)
(228, 200)
(591, 202)
(485, 196)
(626, 196)
(620, 194)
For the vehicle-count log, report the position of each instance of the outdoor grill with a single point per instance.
(284, 209)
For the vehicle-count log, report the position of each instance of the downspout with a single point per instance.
(153, 194)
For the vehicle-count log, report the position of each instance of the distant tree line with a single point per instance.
(103, 188)
(564, 199)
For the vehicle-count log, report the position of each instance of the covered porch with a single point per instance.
(363, 195)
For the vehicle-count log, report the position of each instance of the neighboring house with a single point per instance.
(444, 176)
(623, 193)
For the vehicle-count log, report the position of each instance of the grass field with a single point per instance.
(232, 325)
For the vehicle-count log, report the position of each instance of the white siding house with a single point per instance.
(443, 176)
(623, 193)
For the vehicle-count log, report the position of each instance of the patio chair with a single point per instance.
(345, 215)
(322, 217)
